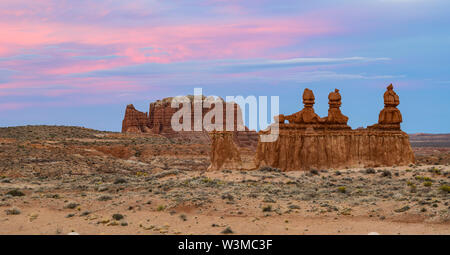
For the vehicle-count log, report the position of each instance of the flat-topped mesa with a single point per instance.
(161, 112)
(390, 117)
(159, 120)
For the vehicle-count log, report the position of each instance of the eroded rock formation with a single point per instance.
(135, 121)
(310, 142)
(307, 114)
(390, 117)
(324, 149)
(158, 121)
(335, 115)
(224, 153)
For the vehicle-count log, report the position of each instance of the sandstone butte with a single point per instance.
(308, 141)
(158, 121)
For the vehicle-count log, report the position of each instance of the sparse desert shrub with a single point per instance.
(120, 181)
(228, 196)
(386, 173)
(346, 211)
(207, 180)
(138, 154)
(294, 207)
(427, 184)
(117, 216)
(15, 193)
(269, 169)
(161, 208)
(403, 209)
(104, 198)
(342, 189)
(71, 205)
(183, 217)
(138, 174)
(370, 171)
(314, 172)
(267, 208)
(445, 188)
(434, 170)
(227, 231)
(13, 211)
(423, 178)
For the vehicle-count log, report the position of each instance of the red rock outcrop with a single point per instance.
(306, 115)
(335, 115)
(324, 149)
(161, 112)
(158, 121)
(224, 154)
(390, 117)
(310, 142)
(135, 121)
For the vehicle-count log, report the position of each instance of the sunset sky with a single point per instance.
(81, 62)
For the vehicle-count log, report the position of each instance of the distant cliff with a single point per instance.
(158, 121)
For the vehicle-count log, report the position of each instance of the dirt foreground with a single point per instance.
(57, 180)
(356, 201)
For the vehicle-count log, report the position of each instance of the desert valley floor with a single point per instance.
(57, 180)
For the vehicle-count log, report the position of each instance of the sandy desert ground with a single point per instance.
(56, 180)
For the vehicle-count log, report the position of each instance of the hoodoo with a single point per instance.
(308, 141)
(390, 117)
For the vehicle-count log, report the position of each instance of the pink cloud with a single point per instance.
(13, 106)
(47, 71)
(180, 42)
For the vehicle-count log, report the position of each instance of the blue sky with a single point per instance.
(81, 62)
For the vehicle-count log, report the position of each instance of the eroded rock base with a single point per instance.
(325, 149)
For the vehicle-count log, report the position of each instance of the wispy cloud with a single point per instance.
(72, 53)
(224, 66)
(246, 66)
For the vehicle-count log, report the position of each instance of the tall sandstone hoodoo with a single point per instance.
(308, 141)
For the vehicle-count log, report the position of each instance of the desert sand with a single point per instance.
(57, 180)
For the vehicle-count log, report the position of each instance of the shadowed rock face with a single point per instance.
(311, 142)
